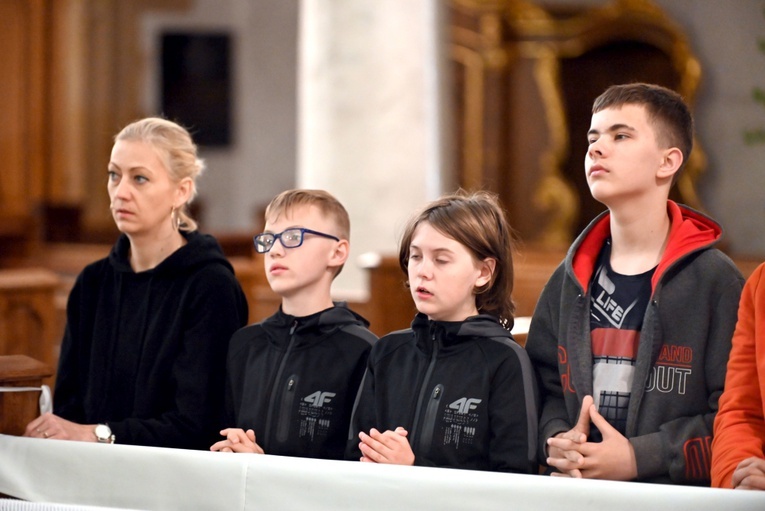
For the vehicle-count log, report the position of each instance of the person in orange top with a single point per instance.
(738, 448)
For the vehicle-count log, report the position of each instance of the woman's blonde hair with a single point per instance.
(178, 152)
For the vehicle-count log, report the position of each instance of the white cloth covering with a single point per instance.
(23, 505)
(46, 403)
(152, 478)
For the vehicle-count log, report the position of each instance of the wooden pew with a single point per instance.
(33, 300)
(532, 269)
(748, 264)
(264, 302)
(247, 273)
(28, 320)
(390, 306)
(17, 409)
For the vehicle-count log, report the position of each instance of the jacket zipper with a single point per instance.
(274, 386)
(285, 411)
(424, 391)
(429, 424)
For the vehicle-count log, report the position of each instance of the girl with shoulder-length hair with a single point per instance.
(454, 390)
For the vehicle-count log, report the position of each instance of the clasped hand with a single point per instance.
(237, 440)
(574, 456)
(750, 474)
(388, 447)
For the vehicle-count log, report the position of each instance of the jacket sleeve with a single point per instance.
(513, 415)
(682, 447)
(739, 428)
(363, 414)
(193, 415)
(542, 348)
(236, 366)
(68, 396)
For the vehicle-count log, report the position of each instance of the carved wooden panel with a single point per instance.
(524, 81)
(29, 324)
(72, 73)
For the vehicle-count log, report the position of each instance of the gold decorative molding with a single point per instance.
(641, 21)
(479, 51)
(554, 195)
(472, 128)
(514, 109)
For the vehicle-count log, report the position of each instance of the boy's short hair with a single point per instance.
(329, 206)
(666, 110)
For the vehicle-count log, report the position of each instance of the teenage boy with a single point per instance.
(631, 335)
(292, 378)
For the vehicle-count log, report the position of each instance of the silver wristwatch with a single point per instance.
(104, 434)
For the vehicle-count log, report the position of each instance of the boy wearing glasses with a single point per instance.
(293, 377)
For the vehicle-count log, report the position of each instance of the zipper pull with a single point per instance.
(434, 346)
(290, 384)
(436, 392)
(293, 327)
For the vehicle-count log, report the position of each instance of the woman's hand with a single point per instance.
(48, 425)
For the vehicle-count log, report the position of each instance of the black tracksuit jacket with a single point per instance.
(464, 391)
(293, 380)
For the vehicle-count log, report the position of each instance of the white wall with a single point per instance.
(370, 116)
(725, 37)
(261, 162)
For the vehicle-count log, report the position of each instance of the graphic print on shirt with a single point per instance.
(459, 421)
(315, 414)
(617, 307)
(671, 371)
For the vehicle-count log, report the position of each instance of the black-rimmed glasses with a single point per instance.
(290, 238)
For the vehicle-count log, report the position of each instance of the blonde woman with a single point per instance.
(143, 355)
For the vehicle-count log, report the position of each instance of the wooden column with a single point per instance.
(22, 144)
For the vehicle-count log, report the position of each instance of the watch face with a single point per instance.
(103, 432)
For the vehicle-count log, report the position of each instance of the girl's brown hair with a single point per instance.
(478, 222)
